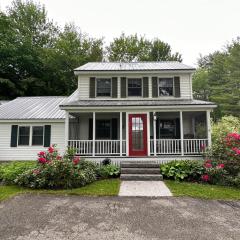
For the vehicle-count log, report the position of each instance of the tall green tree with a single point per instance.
(135, 48)
(36, 56)
(221, 79)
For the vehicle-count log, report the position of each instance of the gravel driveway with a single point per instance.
(35, 217)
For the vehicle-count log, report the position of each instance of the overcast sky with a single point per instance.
(191, 27)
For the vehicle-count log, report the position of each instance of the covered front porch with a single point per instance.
(135, 134)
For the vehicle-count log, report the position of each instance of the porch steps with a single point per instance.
(140, 171)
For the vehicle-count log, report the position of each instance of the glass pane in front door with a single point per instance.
(137, 133)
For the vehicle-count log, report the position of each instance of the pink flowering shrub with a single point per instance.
(55, 171)
(214, 173)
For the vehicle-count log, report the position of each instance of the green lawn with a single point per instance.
(108, 187)
(202, 191)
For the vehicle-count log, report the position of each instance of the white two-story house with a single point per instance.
(119, 110)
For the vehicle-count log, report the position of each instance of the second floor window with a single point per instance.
(103, 87)
(134, 87)
(165, 86)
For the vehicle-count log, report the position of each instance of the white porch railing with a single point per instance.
(102, 147)
(163, 147)
(173, 146)
(166, 146)
(194, 146)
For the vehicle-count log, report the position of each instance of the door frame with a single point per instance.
(147, 132)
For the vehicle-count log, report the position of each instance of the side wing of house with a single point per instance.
(29, 125)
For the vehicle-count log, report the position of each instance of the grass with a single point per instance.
(107, 187)
(204, 191)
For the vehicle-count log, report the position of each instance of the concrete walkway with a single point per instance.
(144, 188)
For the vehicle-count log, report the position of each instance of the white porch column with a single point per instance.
(148, 133)
(127, 136)
(181, 132)
(120, 132)
(154, 134)
(208, 121)
(66, 129)
(94, 132)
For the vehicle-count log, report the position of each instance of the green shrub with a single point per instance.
(108, 171)
(54, 171)
(10, 171)
(62, 173)
(183, 170)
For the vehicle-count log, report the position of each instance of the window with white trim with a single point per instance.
(37, 135)
(23, 135)
(134, 87)
(103, 88)
(165, 87)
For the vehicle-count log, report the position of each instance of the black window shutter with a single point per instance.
(154, 87)
(145, 87)
(123, 87)
(92, 86)
(14, 136)
(90, 129)
(177, 128)
(114, 87)
(177, 86)
(47, 135)
(114, 129)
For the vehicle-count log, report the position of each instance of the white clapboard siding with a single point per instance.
(28, 152)
(83, 86)
(185, 84)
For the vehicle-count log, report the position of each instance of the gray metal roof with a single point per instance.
(133, 66)
(3, 102)
(33, 108)
(123, 103)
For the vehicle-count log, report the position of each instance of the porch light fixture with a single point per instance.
(154, 116)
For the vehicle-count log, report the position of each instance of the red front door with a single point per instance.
(137, 134)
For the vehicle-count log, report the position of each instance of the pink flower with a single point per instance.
(42, 160)
(236, 136)
(76, 160)
(208, 165)
(59, 157)
(236, 150)
(208, 161)
(221, 165)
(205, 178)
(50, 149)
(41, 153)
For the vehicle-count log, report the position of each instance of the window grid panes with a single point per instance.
(103, 129)
(137, 133)
(37, 135)
(165, 86)
(23, 136)
(103, 87)
(135, 87)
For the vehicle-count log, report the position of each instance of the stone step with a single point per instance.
(141, 177)
(141, 170)
(139, 165)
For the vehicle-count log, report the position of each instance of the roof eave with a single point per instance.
(153, 71)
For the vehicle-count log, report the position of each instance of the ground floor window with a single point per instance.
(103, 129)
(37, 135)
(23, 135)
(167, 128)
